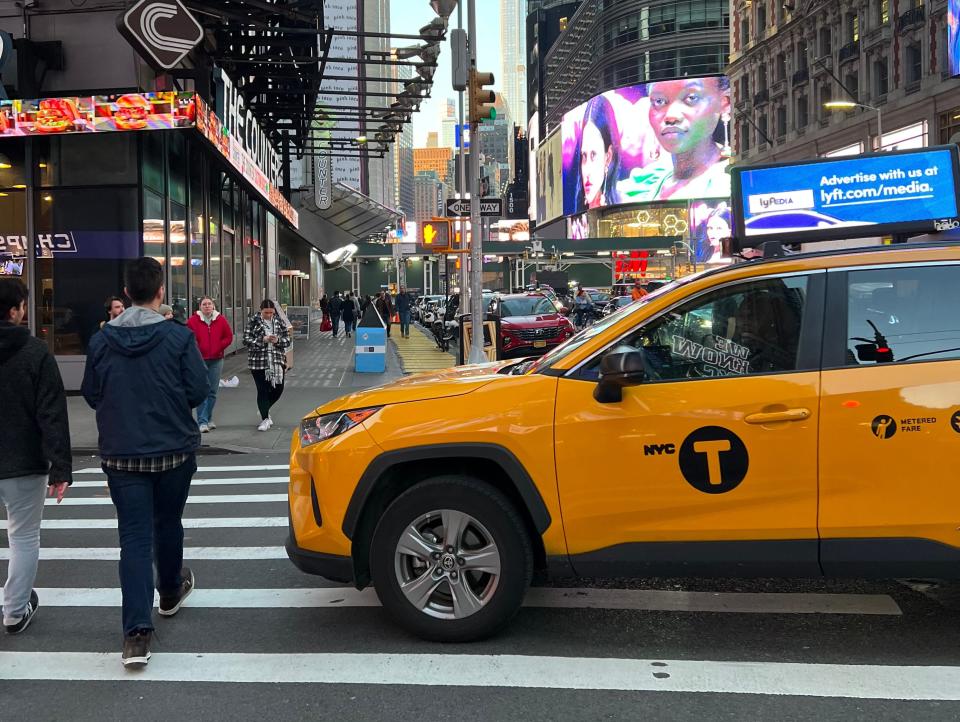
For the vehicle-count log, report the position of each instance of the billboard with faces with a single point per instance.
(667, 140)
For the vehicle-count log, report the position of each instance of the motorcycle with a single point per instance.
(444, 325)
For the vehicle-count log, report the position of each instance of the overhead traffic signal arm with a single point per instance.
(482, 98)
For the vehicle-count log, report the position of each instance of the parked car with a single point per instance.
(530, 323)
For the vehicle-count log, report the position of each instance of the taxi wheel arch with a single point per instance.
(393, 473)
(489, 515)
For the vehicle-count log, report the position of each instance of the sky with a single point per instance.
(408, 16)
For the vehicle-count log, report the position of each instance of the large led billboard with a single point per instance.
(912, 191)
(667, 140)
(953, 36)
(549, 183)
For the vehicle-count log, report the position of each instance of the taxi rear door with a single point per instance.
(890, 422)
(710, 464)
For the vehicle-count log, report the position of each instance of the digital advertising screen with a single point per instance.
(668, 140)
(869, 195)
(953, 36)
(710, 222)
(549, 185)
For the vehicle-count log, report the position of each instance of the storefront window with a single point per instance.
(154, 219)
(94, 160)
(216, 281)
(13, 233)
(11, 166)
(226, 257)
(153, 161)
(177, 160)
(197, 224)
(177, 293)
(84, 238)
(248, 253)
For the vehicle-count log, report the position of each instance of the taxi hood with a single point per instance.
(420, 387)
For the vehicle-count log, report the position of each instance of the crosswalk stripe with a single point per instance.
(242, 481)
(113, 553)
(857, 681)
(211, 499)
(646, 600)
(240, 522)
(204, 469)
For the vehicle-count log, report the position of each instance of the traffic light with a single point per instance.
(435, 235)
(481, 97)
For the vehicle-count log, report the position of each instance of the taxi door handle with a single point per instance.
(773, 417)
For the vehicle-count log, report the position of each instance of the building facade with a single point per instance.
(787, 63)
(612, 43)
(513, 64)
(435, 160)
(430, 193)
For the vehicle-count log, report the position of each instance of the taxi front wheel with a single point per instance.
(451, 559)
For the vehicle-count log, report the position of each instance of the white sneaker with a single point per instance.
(212, 426)
(204, 428)
(264, 425)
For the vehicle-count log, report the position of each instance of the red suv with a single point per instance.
(529, 323)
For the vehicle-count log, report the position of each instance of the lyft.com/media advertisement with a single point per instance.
(878, 190)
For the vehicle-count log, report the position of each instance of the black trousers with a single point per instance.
(267, 395)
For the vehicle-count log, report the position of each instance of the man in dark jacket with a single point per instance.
(336, 312)
(36, 448)
(385, 308)
(144, 377)
(403, 310)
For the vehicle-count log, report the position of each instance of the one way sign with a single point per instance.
(460, 207)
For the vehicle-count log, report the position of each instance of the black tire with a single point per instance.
(499, 517)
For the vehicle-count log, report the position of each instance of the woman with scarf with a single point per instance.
(214, 336)
(267, 339)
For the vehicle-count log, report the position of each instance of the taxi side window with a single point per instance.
(899, 315)
(750, 328)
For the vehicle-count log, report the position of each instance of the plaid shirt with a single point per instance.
(148, 465)
(263, 355)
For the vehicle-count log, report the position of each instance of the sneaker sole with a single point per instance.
(136, 661)
(174, 610)
(25, 624)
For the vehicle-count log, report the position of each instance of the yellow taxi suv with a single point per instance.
(797, 416)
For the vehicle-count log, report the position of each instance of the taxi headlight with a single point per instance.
(315, 429)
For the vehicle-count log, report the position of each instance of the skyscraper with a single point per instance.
(448, 124)
(513, 67)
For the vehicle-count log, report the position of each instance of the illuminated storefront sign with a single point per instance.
(73, 244)
(242, 144)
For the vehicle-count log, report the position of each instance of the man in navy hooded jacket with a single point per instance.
(144, 376)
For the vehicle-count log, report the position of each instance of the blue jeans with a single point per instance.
(149, 520)
(404, 323)
(205, 409)
(349, 324)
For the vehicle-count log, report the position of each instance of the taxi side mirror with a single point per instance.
(617, 371)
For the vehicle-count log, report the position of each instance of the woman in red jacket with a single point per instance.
(214, 336)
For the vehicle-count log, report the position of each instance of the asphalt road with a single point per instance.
(261, 640)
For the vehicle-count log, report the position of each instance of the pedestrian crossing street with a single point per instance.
(254, 618)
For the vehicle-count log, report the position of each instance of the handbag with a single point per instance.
(326, 325)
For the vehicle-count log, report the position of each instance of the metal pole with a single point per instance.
(879, 130)
(477, 354)
(462, 192)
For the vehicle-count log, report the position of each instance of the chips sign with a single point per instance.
(435, 235)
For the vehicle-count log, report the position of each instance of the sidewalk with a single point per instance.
(323, 371)
(420, 352)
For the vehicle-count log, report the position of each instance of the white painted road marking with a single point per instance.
(218, 522)
(267, 467)
(102, 484)
(211, 499)
(113, 553)
(855, 681)
(650, 600)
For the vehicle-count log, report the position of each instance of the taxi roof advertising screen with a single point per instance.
(668, 140)
(858, 196)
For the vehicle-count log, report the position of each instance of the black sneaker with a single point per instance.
(171, 605)
(32, 606)
(136, 648)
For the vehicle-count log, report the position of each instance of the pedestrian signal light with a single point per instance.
(481, 97)
(435, 235)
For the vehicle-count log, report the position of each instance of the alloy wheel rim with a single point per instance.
(447, 564)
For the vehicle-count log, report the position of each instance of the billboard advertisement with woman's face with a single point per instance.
(710, 223)
(953, 36)
(662, 141)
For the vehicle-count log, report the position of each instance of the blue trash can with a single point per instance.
(370, 349)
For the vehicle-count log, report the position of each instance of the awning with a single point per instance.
(353, 212)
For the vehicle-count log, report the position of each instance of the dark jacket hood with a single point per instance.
(12, 339)
(136, 331)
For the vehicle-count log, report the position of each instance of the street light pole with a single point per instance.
(462, 191)
(477, 354)
(850, 105)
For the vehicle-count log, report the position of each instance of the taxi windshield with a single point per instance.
(565, 349)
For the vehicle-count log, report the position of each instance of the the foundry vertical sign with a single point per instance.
(162, 31)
